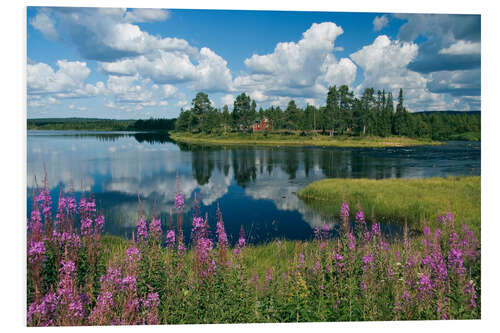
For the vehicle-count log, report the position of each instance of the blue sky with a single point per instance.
(141, 63)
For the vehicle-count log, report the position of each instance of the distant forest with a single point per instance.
(344, 114)
(96, 124)
(373, 114)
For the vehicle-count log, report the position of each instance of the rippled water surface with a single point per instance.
(254, 186)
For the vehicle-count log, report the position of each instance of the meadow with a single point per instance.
(78, 276)
(298, 138)
(418, 201)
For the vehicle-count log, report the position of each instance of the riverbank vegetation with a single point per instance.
(373, 114)
(77, 276)
(416, 201)
(297, 138)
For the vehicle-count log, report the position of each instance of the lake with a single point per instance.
(254, 186)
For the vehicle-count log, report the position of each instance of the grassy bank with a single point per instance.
(296, 139)
(394, 200)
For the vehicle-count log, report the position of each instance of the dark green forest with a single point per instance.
(373, 114)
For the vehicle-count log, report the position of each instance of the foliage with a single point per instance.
(373, 114)
(152, 279)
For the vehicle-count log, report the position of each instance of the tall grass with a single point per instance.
(76, 276)
(398, 200)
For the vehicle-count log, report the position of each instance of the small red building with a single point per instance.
(264, 124)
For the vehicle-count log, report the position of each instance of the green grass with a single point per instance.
(394, 200)
(296, 139)
(467, 136)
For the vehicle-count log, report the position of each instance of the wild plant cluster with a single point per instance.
(74, 279)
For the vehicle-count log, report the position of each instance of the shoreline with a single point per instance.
(297, 140)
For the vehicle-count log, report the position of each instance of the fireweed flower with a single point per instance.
(456, 261)
(36, 252)
(367, 262)
(67, 295)
(437, 264)
(71, 205)
(470, 292)
(338, 259)
(198, 229)
(129, 283)
(86, 226)
(221, 234)
(43, 313)
(45, 201)
(35, 226)
(203, 251)
(155, 228)
(69, 240)
(360, 217)
(142, 230)
(179, 201)
(133, 255)
(241, 240)
(61, 209)
(103, 306)
(99, 223)
(112, 279)
(344, 210)
(170, 239)
(424, 286)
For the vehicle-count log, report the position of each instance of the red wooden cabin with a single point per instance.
(264, 124)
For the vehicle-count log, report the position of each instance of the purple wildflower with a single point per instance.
(99, 223)
(170, 238)
(179, 201)
(470, 291)
(36, 252)
(344, 210)
(133, 255)
(456, 261)
(424, 286)
(241, 240)
(367, 262)
(360, 217)
(86, 226)
(155, 229)
(142, 231)
(221, 234)
(129, 282)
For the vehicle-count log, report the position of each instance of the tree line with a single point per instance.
(372, 114)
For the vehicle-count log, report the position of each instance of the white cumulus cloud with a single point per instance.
(462, 47)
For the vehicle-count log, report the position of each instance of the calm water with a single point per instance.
(254, 186)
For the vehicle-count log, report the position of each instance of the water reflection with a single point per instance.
(255, 186)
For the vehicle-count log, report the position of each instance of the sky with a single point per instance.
(142, 63)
